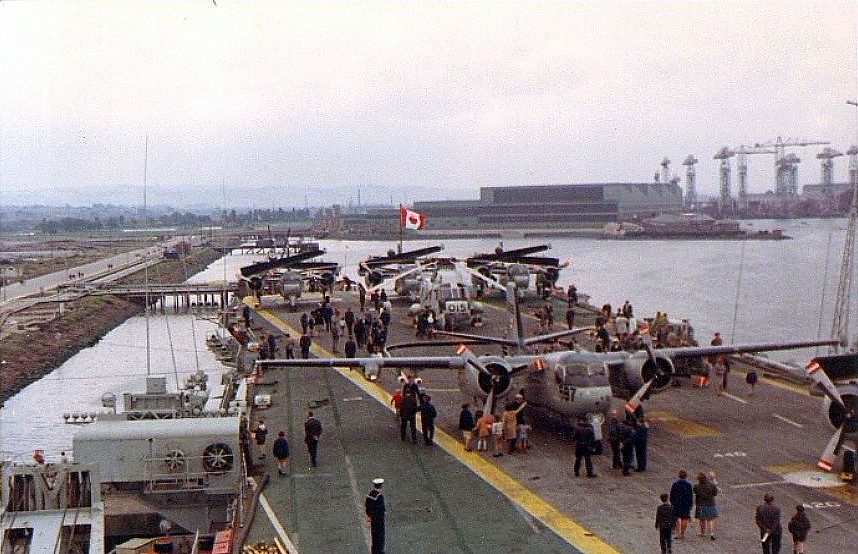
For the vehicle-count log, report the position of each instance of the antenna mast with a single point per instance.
(145, 260)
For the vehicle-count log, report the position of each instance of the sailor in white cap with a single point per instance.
(375, 515)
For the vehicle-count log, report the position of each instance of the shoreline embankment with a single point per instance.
(28, 356)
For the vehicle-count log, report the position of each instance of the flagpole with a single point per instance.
(400, 229)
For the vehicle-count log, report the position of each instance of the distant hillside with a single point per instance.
(215, 196)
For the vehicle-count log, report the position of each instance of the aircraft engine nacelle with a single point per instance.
(641, 368)
(291, 285)
(476, 383)
(520, 275)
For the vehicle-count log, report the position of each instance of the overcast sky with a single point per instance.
(413, 95)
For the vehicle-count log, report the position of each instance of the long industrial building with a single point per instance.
(553, 206)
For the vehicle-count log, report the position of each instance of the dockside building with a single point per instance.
(533, 207)
(554, 206)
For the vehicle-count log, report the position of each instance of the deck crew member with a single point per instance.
(375, 515)
(312, 432)
(584, 439)
(768, 519)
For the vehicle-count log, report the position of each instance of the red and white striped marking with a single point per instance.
(461, 349)
(538, 365)
(823, 465)
(812, 368)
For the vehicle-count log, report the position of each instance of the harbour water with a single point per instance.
(774, 287)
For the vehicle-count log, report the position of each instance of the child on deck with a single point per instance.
(484, 430)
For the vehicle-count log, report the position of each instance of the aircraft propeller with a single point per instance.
(637, 397)
(494, 379)
(840, 408)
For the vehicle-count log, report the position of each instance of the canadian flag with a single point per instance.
(411, 220)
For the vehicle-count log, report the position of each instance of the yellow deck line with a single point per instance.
(681, 427)
(564, 527)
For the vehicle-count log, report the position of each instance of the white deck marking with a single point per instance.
(748, 485)
(736, 398)
(290, 547)
(791, 422)
(357, 498)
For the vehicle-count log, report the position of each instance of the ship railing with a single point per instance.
(177, 481)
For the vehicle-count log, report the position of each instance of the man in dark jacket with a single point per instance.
(466, 425)
(798, 527)
(681, 497)
(585, 436)
(349, 318)
(428, 413)
(408, 415)
(375, 514)
(350, 347)
(304, 343)
(665, 521)
(280, 449)
(312, 433)
(768, 518)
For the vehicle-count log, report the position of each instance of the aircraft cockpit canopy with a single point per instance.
(581, 373)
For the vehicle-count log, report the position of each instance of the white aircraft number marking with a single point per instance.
(821, 505)
(736, 454)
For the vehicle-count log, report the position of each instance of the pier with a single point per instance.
(185, 296)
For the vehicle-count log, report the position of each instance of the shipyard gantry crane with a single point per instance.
(690, 182)
(724, 200)
(742, 169)
(827, 165)
(785, 165)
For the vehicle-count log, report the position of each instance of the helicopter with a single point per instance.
(836, 377)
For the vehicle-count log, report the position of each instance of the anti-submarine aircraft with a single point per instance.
(837, 378)
(290, 272)
(576, 387)
(566, 384)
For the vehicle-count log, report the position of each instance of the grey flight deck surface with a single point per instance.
(441, 499)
